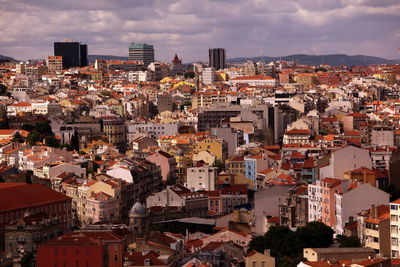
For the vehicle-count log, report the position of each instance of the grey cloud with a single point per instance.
(189, 28)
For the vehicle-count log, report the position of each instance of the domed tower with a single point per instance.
(138, 219)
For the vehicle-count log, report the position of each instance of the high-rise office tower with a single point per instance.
(141, 52)
(73, 54)
(216, 58)
(84, 55)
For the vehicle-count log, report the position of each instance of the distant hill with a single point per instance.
(92, 58)
(7, 59)
(334, 60)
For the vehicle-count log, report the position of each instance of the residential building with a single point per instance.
(216, 146)
(256, 80)
(114, 128)
(253, 165)
(257, 259)
(54, 63)
(374, 229)
(201, 178)
(266, 205)
(358, 196)
(19, 199)
(167, 163)
(209, 76)
(25, 234)
(294, 212)
(395, 228)
(335, 254)
(191, 204)
(346, 159)
(73, 249)
(151, 129)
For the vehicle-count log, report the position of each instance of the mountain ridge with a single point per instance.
(330, 59)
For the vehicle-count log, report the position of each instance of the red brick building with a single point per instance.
(18, 200)
(73, 249)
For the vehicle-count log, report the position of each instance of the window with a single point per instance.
(393, 207)
(115, 257)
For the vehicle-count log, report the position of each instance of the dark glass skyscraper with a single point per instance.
(141, 52)
(84, 55)
(74, 54)
(216, 58)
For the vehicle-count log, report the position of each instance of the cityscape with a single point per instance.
(214, 158)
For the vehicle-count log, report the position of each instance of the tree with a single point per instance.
(43, 128)
(153, 110)
(28, 177)
(28, 127)
(279, 239)
(18, 138)
(51, 141)
(75, 141)
(33, 138)
(3, 90)
(315, 235)
(189, 75)
(348, 241)
(174, 107)
(3, 119)
(287, 246)
(217, 163)
(28, 260)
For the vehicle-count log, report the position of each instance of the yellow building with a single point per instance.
(183, 162)
(362, 174)
(54, 63)
(257, 259)
(216, 146)
(306, 79)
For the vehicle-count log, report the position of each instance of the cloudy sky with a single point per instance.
(28, 28)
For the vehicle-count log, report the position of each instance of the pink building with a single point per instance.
(101, 207)
(167, 164)
(329, 186)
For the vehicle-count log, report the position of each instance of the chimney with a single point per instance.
(267, 252)
(373, 211)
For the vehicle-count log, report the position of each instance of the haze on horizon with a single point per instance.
(188, 28)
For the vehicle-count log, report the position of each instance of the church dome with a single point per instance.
(137, 208)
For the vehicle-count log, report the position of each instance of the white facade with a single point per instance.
(50, 172)
(346, 159)
(46, 108)
(355, 200)
(141, 76)
(395, 228)
(121, 173)
(382, 137)
(314, 202)
(253, 81)
(152, 129)
(209, 75)
(201, 178)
